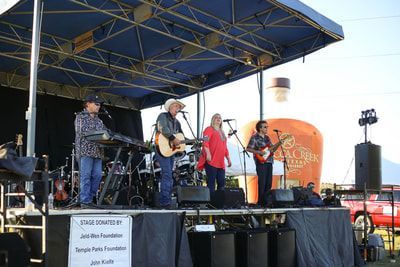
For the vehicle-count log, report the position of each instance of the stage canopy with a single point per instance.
(137, 53)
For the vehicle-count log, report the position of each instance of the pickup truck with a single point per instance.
(379, 208)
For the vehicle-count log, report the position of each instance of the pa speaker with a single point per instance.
(228, 198)
(14, 252)
(279, 198)
(282, 248)
(212, 249)
(192, 194)
(252, 248)
(368, 166)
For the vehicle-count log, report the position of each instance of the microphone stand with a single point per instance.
(285, 165)
(195, 173)
(152, 152)
(244, 159)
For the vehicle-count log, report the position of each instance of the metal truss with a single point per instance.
(156, 73)
(16, 81)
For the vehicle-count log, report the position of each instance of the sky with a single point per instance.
(328, 90)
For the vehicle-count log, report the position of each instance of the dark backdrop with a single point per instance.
(55, 123)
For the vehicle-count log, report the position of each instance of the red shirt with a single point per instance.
(217, 147)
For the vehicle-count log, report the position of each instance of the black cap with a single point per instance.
(93, 99)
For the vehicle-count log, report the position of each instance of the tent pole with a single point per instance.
(198, 132)
(31, 112)
(261, 90)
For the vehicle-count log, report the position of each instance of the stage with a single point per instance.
(157, 237)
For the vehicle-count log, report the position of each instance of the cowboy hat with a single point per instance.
(171, 101)
(93, 99)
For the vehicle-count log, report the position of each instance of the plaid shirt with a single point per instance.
(258, 142)
(85, 123)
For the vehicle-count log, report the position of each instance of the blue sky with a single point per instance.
(331, 88)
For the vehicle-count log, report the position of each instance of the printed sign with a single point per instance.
(100, 240)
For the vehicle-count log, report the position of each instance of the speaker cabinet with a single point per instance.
(277, 198)
(213, 249)
(252, 248)
(228, 198)
(282, 248)
(14, 251)
(368, 166)
(192, 194)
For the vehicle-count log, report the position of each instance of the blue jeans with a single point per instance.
(166, 164)
(215, 174)
(90, 178)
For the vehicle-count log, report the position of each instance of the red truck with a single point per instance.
(379, 208)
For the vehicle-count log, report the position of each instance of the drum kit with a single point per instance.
(138, 184)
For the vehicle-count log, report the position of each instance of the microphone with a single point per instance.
(277, 131)
(106, 112)
(232, 133)
(228, 120)
(183, 112)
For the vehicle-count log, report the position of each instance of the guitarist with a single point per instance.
(257, 143)
(168, 126)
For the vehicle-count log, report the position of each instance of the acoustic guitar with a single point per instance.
(167, 149)
(270, 149)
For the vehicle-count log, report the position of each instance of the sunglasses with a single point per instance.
(266, 126)
(97, 104)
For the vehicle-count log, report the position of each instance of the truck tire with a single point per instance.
(359, 223)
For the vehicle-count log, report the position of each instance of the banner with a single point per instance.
(97, 240)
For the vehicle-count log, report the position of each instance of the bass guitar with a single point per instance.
(167, 149)
(269, 150)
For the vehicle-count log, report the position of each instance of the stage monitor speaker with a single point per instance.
(279, 198)
(282, 247)
(228, 198)
(252, 248)
(192, 194)
(212, 249)
(368, 166)
(13, 251)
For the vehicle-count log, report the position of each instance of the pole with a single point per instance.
(198, 115)
(261, 90)
(31, 112)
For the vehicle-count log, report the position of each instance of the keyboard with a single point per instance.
(109, 138)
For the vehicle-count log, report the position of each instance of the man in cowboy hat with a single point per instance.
(168, 126)
(88, 154)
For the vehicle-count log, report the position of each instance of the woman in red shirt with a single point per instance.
(214, 152)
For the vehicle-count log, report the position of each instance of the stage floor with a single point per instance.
(187, 211)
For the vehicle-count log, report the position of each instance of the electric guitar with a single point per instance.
(167, 149)
(270, 149)
(19, 143)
